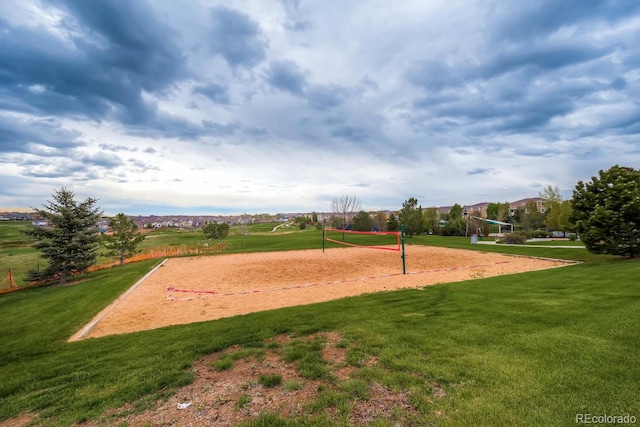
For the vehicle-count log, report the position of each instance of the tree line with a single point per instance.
(604, 212)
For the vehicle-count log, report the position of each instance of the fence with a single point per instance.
(166, 251)
(8, 284)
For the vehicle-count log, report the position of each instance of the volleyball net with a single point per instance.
(382, 240)
(385, 240)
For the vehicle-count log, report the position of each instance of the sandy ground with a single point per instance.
(187, 290)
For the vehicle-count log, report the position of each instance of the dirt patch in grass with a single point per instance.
(194, 289)
(19, 421)
(227, 396)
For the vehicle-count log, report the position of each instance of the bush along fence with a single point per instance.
(166, 251)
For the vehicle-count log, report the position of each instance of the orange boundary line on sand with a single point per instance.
(171, 289)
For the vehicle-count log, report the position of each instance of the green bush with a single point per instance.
(515, 238)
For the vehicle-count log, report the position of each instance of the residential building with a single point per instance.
(522, 204)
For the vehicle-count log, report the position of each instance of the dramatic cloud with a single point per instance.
(236, 37)
(213, 107)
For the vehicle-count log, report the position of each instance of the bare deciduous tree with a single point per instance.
(345, 207)
(243, 227)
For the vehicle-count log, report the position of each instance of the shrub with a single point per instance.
(515, 238)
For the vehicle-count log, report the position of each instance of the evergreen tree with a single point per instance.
(124, 238)
(70, 242)
(362, 222)
(606, 211)
(455, 211)
(392, 223)
(455, 226)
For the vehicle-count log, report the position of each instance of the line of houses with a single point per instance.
(513, 206)
(190, 221)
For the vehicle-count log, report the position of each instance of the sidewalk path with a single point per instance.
(493, 242)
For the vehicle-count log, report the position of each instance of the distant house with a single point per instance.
(444, 210)
(15, 216)
(481, 208)
(39, 222)
(522, 204)
(468, 210)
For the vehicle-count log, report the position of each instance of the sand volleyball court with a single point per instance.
(195, 289)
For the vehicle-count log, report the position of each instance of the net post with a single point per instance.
(323, 236)
(404, 264)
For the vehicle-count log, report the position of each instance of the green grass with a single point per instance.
(11, 233)
(243, 401)
(223, 364)
(293, 384)
(270, 380)
(16, 253)
(549, 252)
(528, 349)
(307, 356)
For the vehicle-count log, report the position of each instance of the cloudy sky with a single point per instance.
(207, 107)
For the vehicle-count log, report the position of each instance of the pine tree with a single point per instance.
(392, 223)
(606, 211)
(70, 242)
(362, 222)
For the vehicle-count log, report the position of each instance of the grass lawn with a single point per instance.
(528, 349)
(16, 253)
